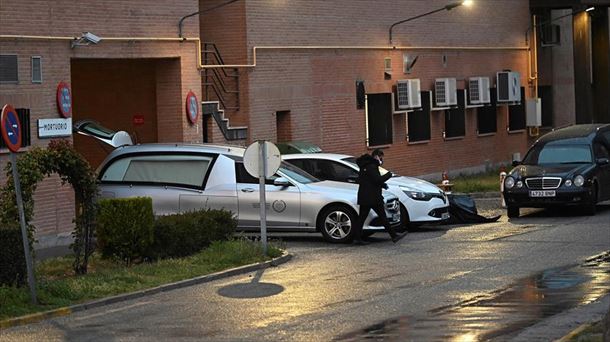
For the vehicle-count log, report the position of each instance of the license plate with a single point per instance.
(542, 193)
(444, 216)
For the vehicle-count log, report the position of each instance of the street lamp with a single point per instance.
(448, 7)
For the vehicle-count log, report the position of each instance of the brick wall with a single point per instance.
(172, 74)
(317, 86)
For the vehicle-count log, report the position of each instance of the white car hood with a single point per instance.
(414, 183)
(347, 188)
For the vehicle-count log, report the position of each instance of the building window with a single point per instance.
(418, 122)
(487, 116)
(379, 119)
(24, 119)
(36, 69)
(8, 69)
(455, 118)
(516, 115)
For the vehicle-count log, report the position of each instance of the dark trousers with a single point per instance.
(364, 213)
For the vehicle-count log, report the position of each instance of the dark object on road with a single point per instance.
(568, 166)
(463, 210)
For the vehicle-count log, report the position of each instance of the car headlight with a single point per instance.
(579, 180)
(519, 184)
(414, 194)
(509, 182)
(568, 183)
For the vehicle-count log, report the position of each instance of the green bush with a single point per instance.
(125, 228)
(188, 233)
(12, 259)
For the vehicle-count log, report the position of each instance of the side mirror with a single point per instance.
(281, 181)
(602, 161)
(516, 162)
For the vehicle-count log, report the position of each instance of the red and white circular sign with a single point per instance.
(192, 107)
(64, 100)
(11, 128)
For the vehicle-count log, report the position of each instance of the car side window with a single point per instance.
(303, 164)
(175, 169)
(600, 150)
(244, 177)
(344, 173)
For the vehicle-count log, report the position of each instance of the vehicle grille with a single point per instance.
(543, 183)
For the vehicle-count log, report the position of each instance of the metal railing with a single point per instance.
(216, 80)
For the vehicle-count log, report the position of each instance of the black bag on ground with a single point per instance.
(463, 209)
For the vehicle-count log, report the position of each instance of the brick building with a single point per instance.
(312, 70)
(133, 72)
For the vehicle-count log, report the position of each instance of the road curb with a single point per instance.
(64, 311)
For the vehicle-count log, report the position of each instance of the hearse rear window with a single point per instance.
(186, 170)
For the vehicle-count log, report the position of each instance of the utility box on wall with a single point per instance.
(508, 84)
(533, 112)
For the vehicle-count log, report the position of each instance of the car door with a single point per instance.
(283, 202)
(600, 151)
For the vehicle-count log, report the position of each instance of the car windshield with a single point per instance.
(297, 174)
(559, 154)
(382, 171)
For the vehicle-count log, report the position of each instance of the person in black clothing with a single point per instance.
(369, 194)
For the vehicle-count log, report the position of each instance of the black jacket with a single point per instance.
(370, 180)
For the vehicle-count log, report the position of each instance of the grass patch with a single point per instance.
(482, 182)
(57, 286)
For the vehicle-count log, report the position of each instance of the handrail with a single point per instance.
(218, 57)
(216, 80)
(219, 96)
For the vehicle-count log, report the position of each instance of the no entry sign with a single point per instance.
(64, 100)
(11, 128)
(192, 107)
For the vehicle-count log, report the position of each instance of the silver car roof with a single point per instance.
(229, 150)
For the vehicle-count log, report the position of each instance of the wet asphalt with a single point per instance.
(447, 283)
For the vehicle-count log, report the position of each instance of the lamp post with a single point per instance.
(448, 7)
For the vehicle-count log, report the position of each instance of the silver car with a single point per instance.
(182, 177)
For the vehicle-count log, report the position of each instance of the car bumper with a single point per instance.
(573, 196)
(426, 211)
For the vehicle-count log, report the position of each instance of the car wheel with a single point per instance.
(512, 211)
(336, 224)
(591, 207)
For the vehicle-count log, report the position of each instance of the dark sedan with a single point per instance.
(569, 166)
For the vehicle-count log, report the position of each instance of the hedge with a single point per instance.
(188, 233)
(125, 228)
(12, 258)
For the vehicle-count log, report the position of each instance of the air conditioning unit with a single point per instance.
(478, 90)
(407, 93)
(445, 91)
(508, 86)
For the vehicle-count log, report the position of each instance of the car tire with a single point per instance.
(590, 208)
(512, 211)
(336, 223)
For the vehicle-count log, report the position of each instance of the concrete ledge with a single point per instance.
(39, 316)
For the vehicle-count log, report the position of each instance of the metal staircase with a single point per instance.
(221, 93)
(230, 133)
